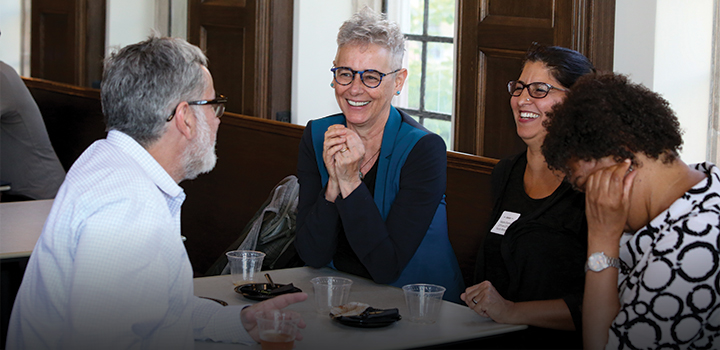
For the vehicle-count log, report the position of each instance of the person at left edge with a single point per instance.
(372, 180)
(27, 158)
(110, 270)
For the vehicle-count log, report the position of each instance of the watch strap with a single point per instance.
(599, 261)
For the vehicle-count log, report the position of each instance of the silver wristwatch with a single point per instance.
(599, 261)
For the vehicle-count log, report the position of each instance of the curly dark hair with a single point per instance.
(565, 65)
(607, 115)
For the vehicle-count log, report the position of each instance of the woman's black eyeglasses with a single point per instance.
(536, 90)
(370, 77)
(218, 106)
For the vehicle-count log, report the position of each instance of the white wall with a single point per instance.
(667, 46)
(314, 46)
(11, 29)
(634, 52)
(683, 54)
(128, 22)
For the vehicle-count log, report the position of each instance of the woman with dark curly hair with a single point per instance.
(653, 221)
(530, 268)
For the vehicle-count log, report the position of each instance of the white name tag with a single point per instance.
(506, 219)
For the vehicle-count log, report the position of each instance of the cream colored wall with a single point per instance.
(667, 46)
(128, 21)
(316, 24)
(11, 29)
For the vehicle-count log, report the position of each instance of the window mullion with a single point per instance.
(423, 74)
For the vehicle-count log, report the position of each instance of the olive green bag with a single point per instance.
(271, 230)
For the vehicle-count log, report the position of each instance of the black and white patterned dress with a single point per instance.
(669, 289)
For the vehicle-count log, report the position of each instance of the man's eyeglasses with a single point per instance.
(218, 106)
(536, 90)
(370, 77)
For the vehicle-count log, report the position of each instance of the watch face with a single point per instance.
(597, 262)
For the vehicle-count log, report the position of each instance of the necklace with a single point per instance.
(366, 163)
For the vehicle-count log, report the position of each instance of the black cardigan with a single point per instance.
(544, 252)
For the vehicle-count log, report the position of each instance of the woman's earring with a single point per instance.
(332, 84)
(398, 92)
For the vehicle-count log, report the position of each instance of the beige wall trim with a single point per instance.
(714, 117)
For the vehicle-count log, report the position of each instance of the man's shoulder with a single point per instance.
(105, 169)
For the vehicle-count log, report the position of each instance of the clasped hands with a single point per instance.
(343, 152)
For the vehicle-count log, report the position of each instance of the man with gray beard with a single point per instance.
(110, 269)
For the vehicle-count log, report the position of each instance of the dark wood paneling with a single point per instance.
(280, 60)
(493, 36)
(469, 112)
(225, 30)
(469, 203)
(253, 156)
(95, 44)
(57, 50)
(73, 116)
(229, 82)
(68, 40)
(249, 46)
(498, 116)
(601, 37)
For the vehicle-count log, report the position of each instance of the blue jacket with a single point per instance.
(434, 260)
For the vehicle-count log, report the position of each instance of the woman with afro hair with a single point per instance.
(653, 221)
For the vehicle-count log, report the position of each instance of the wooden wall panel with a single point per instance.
(495, 66)
(249, 45)
(509, 24)
(225, 30)
(229, 82)
(253, 156)
(73, 116)
(493, 36)
(54, 49)
(68, 40)
(469, 204)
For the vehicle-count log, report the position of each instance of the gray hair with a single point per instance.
(370, 27)
(143, 83)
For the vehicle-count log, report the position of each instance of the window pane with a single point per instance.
(414, 65)
(417, 7)
(441, 18)
(439, 82)
(440, 127)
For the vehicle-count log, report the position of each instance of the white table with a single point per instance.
(456, 322)
(21, 224)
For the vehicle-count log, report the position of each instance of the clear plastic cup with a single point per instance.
(330, 291)
(245, 266)
(277, 329)
(423, 302)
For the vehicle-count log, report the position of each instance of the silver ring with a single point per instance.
(474, 301)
